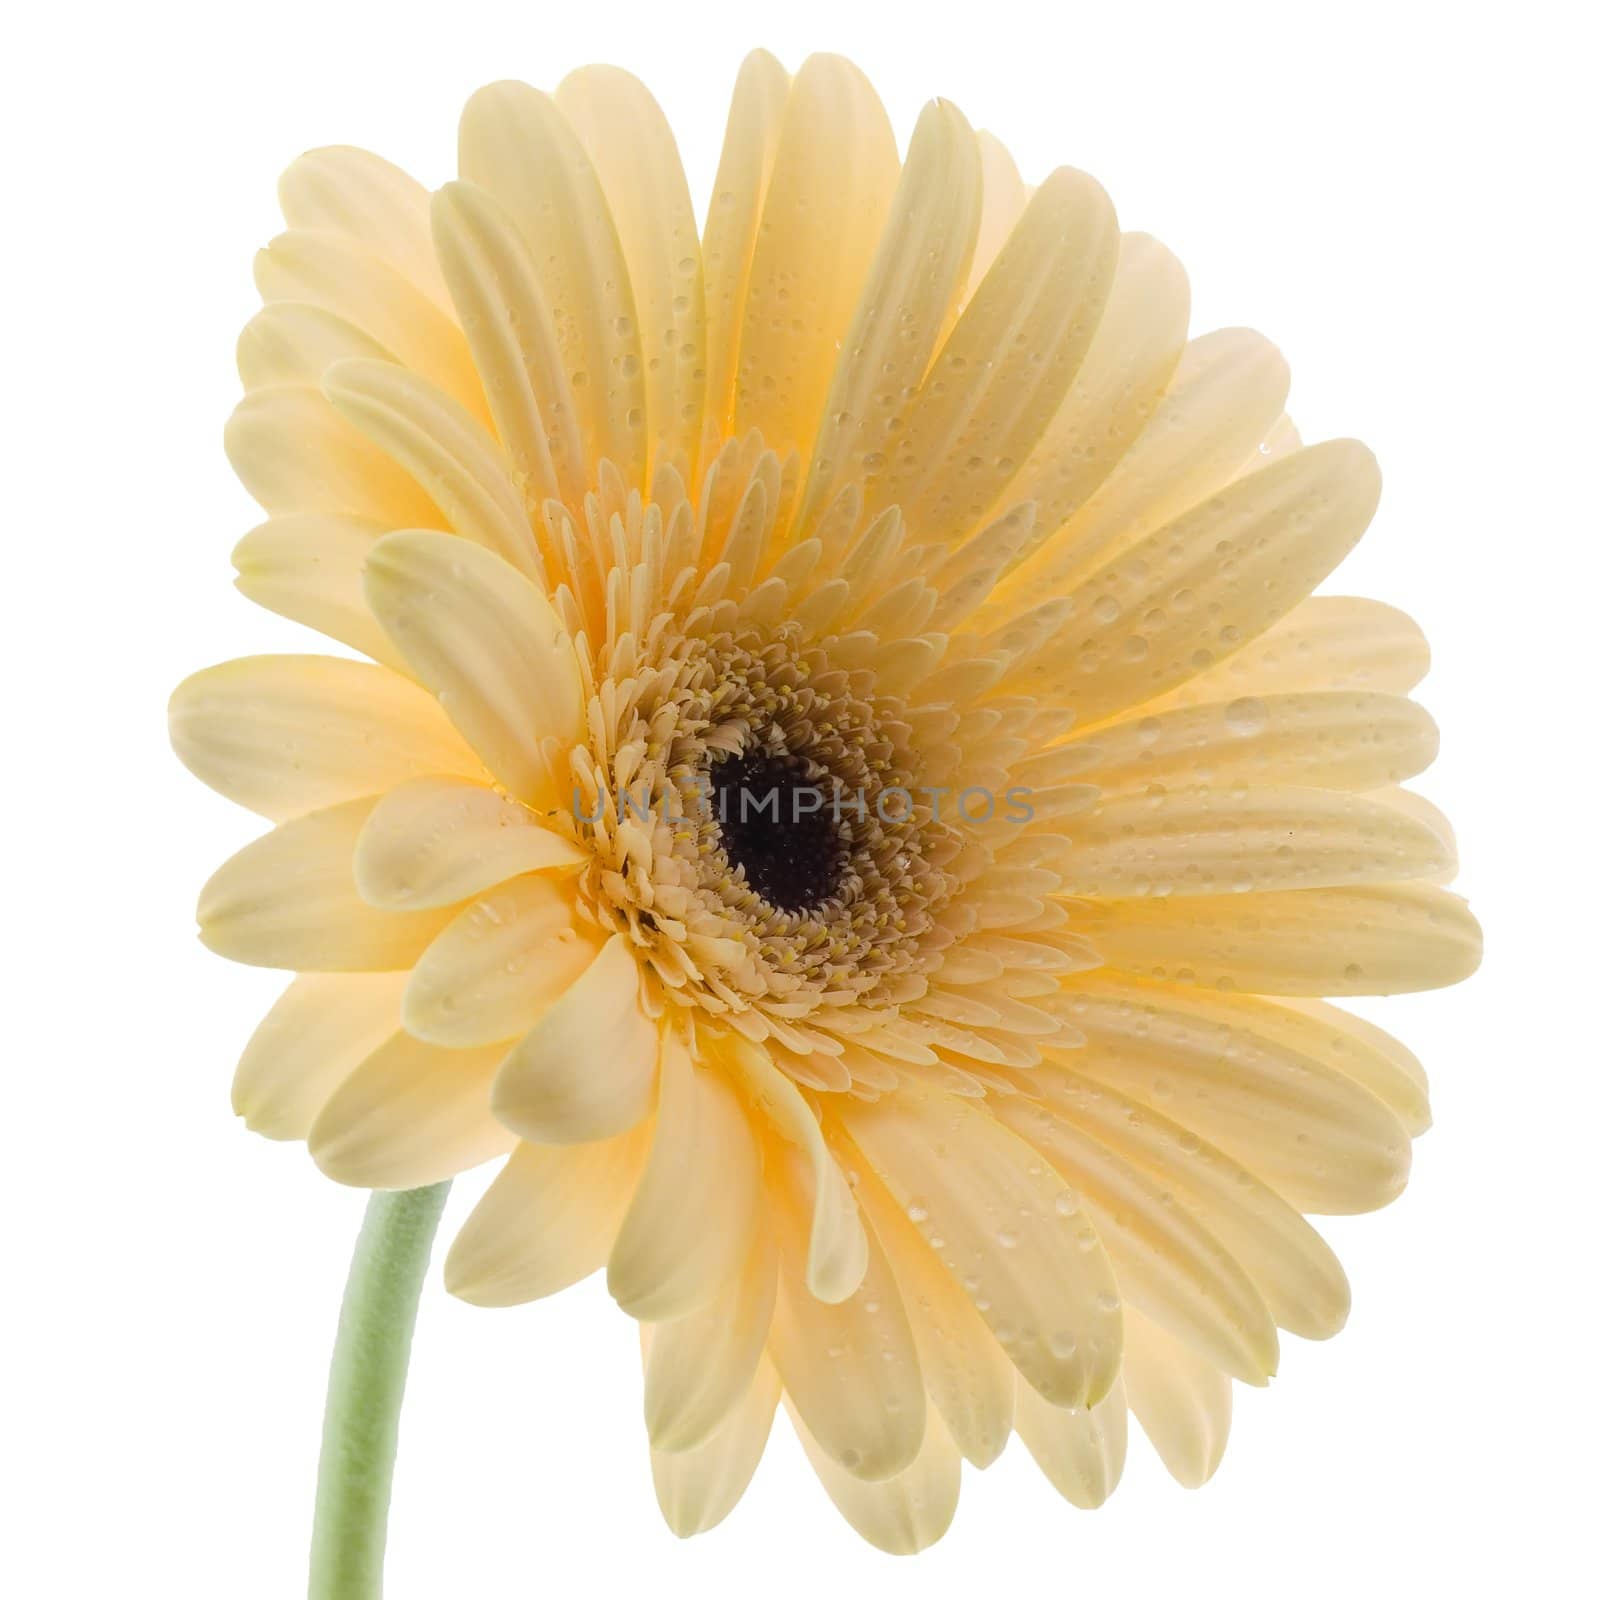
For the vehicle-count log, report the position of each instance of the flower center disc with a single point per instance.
(776, 820)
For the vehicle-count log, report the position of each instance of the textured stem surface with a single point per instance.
(365, 1387)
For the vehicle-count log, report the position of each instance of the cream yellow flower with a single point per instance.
(986, 1089)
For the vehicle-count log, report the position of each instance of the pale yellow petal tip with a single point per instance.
(472, 1274)
(1195, 1465)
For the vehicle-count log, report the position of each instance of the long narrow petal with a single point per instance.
(321, 1029)
(1005, 198)
(850, 1368)
(1388, 939)
(968, 1378)
(1327, 740)
(1081, 1450)
(899, 1515)
(1262, 1091)
(633, 151)
(548, 1219)
(832, 179)
(1008, 1229)
(292, 342)
(837, 1253)
(1182, 1402)
(920, 265)
(1329, 642)
(587, 1068)
(697, 1488)
(515, 143)
(500, 965)
(1202, 840)
(340, 189)
(1224, 396)
(1200, 587)
(285, 735)
(1297, 1275)
(344, 276)
(1353, 1046)
(439, 841)
(410, 1114)
(700, 1366)
(691, 1222)
(450, 454)
(1128, 365)
(755, 120)
(289, 900)
(309, 567)
(511, 329)
(1006, 366)
(295, 453)
(490, 646)
(1166, 1263)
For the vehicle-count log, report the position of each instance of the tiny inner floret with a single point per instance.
(775, 817)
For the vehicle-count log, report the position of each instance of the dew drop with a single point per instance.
(1246, 717)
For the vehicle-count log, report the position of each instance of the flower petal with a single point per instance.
(1353, 1046)
(308, 567)
(587, 1068)
(410, 1114)
(285, 735)
(899, 1515)
(508, 322)
(439, 841)
(343, 275)
(1165, 1262)
(850, 1368)
(1334, 740)
(289, 900)
(515, 144)
(755, 120)
(321, 1029)
(488, 644)
(919, 268)
(1385, 939)
(1209, 582)
(548, 1219)
(500, 965)
(294, 453)
(966, 1374)
(837, 1255)
(340, 189)
(1128, 365)
(1008, 1229)
(1007, 365)
(697, 1488)
(290, 342)
(1080, 1450)
(832, 179)
(700, 1366)
(1182, 1402)
(1005, 198)
(636, 158)
(1202, 840)
(1237, 1075)
(1223, 398)
(449, 453)
(1329, 642)
(691, 1222)
(1297, 1275)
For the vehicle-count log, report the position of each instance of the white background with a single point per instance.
(1400, 195)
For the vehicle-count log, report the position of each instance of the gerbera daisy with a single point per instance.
(852, 793)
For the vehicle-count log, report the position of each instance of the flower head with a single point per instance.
(852, 791)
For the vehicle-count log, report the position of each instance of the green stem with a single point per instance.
(367, 1382)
